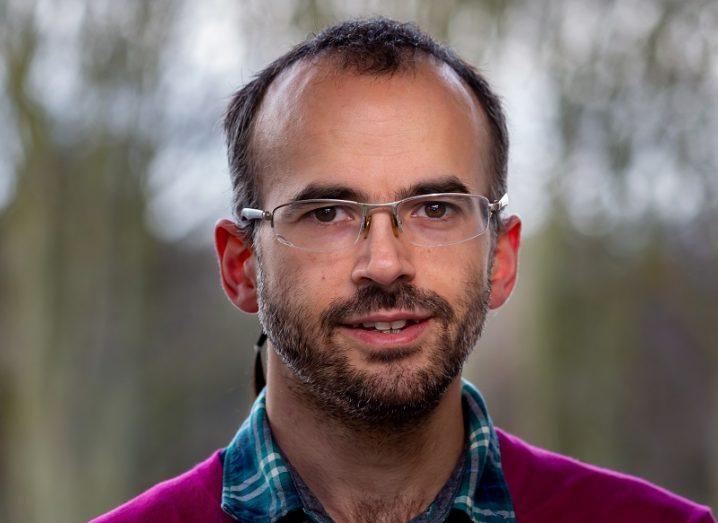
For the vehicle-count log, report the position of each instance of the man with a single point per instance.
(369, 170)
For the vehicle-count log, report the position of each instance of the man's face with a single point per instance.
(374, 139)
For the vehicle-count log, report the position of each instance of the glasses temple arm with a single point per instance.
(247, 214)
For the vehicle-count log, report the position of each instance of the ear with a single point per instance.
(237, 266)
(506, 257)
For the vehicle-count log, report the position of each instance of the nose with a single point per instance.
(383, 258)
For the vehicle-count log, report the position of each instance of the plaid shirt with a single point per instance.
(257, 483)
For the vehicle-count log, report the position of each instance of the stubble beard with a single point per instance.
(397, 396)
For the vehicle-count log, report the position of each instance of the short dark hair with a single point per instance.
(376, 46)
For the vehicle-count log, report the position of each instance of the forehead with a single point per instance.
(376, 135)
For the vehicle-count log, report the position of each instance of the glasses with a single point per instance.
(430, 220)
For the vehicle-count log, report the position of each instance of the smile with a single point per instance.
(387, 329)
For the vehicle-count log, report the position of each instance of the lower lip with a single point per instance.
(408, 334)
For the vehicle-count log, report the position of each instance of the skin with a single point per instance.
(378, 135)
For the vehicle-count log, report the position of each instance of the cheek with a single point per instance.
(325, 276)
(315, 278)
(453, 274)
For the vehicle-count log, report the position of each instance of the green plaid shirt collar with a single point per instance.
(257, 485)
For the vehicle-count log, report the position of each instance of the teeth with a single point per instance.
(386, 326)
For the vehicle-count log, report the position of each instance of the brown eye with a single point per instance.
(325, 214)
(435, 209)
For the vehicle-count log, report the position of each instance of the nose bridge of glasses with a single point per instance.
(369, 209)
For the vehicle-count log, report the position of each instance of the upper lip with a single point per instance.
(388, 316)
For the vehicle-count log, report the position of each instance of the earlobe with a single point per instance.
(237, 266)
(505, 267)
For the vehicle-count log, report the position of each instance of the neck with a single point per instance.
(348, 465)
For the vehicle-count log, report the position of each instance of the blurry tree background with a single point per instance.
(121, 362)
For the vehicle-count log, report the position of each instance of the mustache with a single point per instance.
(402, 295)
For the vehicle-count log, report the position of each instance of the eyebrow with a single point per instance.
(437, 185)
(319, 191)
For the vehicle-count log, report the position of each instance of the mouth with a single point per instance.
(386, 327)
(387, 330)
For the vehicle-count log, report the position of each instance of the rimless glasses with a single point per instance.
(428, 220)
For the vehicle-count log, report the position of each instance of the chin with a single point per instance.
(392, 393)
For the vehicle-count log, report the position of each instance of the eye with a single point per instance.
(434, 210)
(325, 214)
(329, 214)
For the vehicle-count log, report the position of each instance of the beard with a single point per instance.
(397, 395)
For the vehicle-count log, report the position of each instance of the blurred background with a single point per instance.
(121, 361)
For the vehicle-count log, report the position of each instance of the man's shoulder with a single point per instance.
(546, 486)
(192, 496)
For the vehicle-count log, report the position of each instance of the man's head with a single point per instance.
(369, 111)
